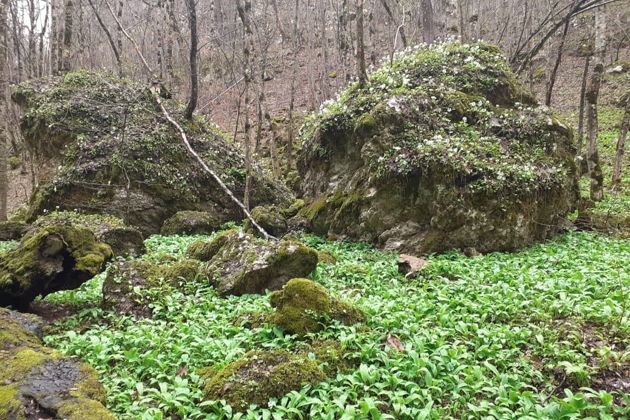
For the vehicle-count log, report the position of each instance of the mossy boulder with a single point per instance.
(190, 222)
(38, 382)
(124, 240)
(243, 264)
(270, 218)
(303, 306)
(128, 283)
(441, 149)
(105, 148)
(12, 231)
(294, 208)
(325, 257)
(261, 375)
(55, 258)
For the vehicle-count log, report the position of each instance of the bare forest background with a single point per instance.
(257, 67)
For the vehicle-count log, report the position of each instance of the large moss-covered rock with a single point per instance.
(124, 240)
(190, 222)
(106, 148)
(302, 306)
(38, 382)
(261, 375)
(441, 149)
(55, 258)
(243, 264)
(127, 283)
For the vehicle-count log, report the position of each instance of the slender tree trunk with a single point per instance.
(592, 97)
(54, 38)
(194, 76)
(361, 71)
(108, 34)
(580, 139)
(4, 164)
(296, 49)
(67, 37)
(621, 143)
(554, 71)
(428, 30)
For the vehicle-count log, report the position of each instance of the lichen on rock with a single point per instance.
(56, 257)
(243, 264)
(303, 306)
(270, 218)
(118, 155)
(442, 149)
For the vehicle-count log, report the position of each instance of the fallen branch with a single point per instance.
(206, 168)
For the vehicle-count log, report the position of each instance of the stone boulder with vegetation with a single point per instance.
(105, 147)
(271, 219)
(124, 240)
(37, 382)
(130, 285)
(441, 149)
(239, 263)
(190, 222)
(56, 257)
(12, 231)
(303, 306)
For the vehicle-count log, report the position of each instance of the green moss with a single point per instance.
(325, 257)
(205, 250)
(186, 271)
(190, 223)
(260, 375)
(302, 306)
(332, 357)
(22, 361)
(10, 406)
(14, 162)
(311, 210)
(270, 218)
(294, 208)
(83, 409)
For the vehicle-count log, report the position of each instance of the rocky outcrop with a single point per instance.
(271, 219)
(410, 266)
(240, 264)
(38, 382)
(125, 241)
(441, 150)
(126, 287)
(105, 148)
(190, 223)
(303, 306)
(56, 257)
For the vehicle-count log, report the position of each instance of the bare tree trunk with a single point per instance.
(67, 37)
(4, 164)
(54, 38)
(592, 96)
(428, 31)
(296, 49)
(361, 72)
(112, 44)
(621, 143)
(580, 139)
(194, 76)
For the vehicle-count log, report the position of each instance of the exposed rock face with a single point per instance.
(12, 231)
(441, 150)
(118, 155)
(37, 382)
(124, 240)
(240, 264)
(302, 305)
(126, 284)
(55, 258)
(190, 222)
(261, 375)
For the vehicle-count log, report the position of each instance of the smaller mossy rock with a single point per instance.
(205, 250)
(127, 283)
(270, 218)
(12, 231)
(302, 306)
(189, 222)
(261, 375)
(294, 208)
(248, 265)
(325, 257)
(56, 257)
(32, 375)
(124, 240)
(332, 356)
(14, 162)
